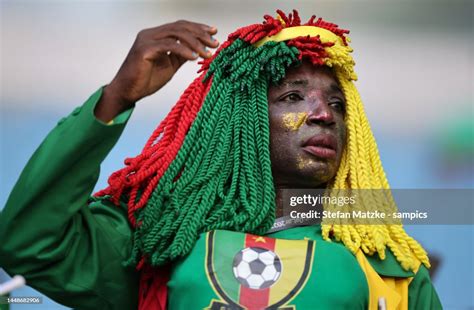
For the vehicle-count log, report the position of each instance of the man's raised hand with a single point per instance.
(154, 58)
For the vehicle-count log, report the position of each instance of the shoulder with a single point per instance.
(390, 267)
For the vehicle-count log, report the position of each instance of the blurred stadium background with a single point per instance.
(415, 67)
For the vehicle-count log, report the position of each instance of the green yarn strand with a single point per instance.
(221, 177)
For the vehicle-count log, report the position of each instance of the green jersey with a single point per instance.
(292, 269)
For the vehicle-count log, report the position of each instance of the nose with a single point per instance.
(320, 114)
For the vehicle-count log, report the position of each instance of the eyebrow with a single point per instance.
(294, 83)
(336, 88)
(333, 87)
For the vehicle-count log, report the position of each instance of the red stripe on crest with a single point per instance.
(256, 299)
(253, 241)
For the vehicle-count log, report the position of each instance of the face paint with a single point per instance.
(293, 121)
(302, 162)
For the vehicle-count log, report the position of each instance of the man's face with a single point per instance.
(307, 128)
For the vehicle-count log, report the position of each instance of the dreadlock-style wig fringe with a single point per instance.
(207, 165)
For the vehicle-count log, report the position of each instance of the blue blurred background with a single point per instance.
(414, 62)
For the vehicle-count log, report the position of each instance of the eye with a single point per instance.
(291, 97)
(339, 105)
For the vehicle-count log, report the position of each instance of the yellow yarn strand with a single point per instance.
(360, 166)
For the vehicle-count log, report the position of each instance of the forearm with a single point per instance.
(110, 104)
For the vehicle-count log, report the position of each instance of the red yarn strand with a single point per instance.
(143, 172)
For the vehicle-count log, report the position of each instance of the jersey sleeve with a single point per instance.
(421, 292)
(68, 246)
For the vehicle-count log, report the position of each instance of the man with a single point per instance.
(274, 108)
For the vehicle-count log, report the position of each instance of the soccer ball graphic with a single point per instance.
(256, 268)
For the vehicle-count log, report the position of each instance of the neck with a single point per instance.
(279, 202)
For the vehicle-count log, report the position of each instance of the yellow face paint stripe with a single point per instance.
(293, 121)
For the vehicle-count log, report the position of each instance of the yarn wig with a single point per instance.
(207, 165)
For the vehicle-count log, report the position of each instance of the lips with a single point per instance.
(322, 146)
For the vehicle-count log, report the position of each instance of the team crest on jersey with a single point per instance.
(254, 272)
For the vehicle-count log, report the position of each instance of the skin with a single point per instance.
(307, 102)
(314, 92)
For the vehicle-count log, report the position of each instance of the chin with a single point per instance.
(317, 173)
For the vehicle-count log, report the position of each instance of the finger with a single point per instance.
(209, 29)
(212, 30)
(180, 28)
(209, 40)
(155, 49)
(204, 33)
(193, 25)
(185, 38)
(161, 32)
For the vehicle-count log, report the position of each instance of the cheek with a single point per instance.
(342, 137)
(283, 128)
(293, 121)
